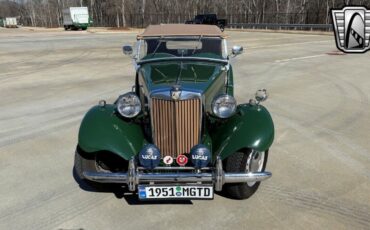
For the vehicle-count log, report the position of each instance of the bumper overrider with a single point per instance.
(176, 175)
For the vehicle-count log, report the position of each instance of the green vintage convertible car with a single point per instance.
(180, 133)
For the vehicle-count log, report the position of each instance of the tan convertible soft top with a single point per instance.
(164, 30)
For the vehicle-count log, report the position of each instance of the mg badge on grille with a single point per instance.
(352, 28)
(175, 92)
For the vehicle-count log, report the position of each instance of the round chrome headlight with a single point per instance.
(224, 106)
(129, 105)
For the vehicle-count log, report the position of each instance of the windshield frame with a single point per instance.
(140, 43)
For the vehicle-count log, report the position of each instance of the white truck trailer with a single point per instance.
(10, 22)
(75, 18)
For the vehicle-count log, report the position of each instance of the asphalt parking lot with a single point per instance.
(320, 159)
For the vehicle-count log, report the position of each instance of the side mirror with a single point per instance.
(261, 95)
(236, 50)
(127, 50)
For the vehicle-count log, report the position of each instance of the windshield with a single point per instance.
(171, 72)
(197, 47)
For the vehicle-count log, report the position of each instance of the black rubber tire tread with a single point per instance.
(237, 163)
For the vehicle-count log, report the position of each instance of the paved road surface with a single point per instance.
(320, 159)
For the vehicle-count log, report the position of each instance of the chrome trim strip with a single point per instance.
(183, 59)
(140, 177)
(246, 177)
(166, 95)
(183, 36)
(225, 48)
(174, 168)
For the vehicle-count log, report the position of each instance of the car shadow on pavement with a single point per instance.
(132, 199)
(122, 192)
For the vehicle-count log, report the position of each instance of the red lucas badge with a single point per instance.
(182, 160)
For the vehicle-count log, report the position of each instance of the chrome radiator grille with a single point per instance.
(176, 125)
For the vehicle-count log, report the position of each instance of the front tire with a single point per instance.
(245, 161)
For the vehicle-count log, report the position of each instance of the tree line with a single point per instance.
(140, 13)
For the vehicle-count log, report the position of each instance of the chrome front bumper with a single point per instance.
(134, 177)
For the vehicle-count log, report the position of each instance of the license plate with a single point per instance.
(147, 192)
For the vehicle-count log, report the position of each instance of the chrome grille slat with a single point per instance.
(176, 125)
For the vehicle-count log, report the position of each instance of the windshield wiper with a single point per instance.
(179, 75)
(195, 74)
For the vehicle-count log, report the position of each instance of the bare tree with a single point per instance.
(135, 13)
(123, 14)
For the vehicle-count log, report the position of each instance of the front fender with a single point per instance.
(251, 127)
(102, 129)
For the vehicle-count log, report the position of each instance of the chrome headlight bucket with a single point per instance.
(224, 106)
(129, 105)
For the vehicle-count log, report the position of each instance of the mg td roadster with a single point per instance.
(179, 134)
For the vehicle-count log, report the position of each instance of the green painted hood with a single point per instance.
(194, 76)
